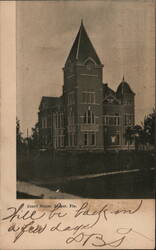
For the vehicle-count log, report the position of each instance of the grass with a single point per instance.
(46, 164)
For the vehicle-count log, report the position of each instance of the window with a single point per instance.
(71, 139)
(128, 100)
(61, 117)
(111, 120)
(71, 98)
(58, 120)
(46, 139)
(115, 139)
(75, 140)
(93, 119)
(61, 120)
(44, 122)
(54, 141)
(49, 121)
(59, 141)
(128, 119)
(85, 139)
(71, 118)
(62, 140)
(88, 97)
(84, 98)
(85, 117)
(93, 136)
(90, 139)
(90, 65)
(89, 117)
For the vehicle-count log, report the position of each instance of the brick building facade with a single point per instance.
(89, 115)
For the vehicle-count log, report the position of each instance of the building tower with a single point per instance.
(82, 93)
(89, 115)
(126, 96)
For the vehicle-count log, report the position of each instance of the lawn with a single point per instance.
(52, 170)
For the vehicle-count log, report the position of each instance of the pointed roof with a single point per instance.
(82, 48)
(124, 88)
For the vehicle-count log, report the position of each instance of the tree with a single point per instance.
(134, 134)
(35, 136)
(149, 127)
(19, 139)
(142, 135)
(129, 135)
(138, 136)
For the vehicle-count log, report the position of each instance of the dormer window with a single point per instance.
(110, 99)
(90, 64)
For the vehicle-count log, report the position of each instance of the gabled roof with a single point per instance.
(108, 94)
(107, 91)
(82, 48)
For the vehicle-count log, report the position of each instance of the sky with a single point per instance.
(122, 32)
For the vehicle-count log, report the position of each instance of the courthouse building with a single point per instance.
(89, 115)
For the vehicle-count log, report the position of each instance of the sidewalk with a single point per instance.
(65, 179)
(42, 193)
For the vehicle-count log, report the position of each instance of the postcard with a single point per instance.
(78, 143)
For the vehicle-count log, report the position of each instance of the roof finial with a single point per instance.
(82, 21)
(123, 79)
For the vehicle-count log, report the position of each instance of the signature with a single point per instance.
(97, 239)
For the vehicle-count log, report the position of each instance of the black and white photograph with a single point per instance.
(85, 99)
(77, 124)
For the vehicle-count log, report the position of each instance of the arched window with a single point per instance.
(90, 63)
